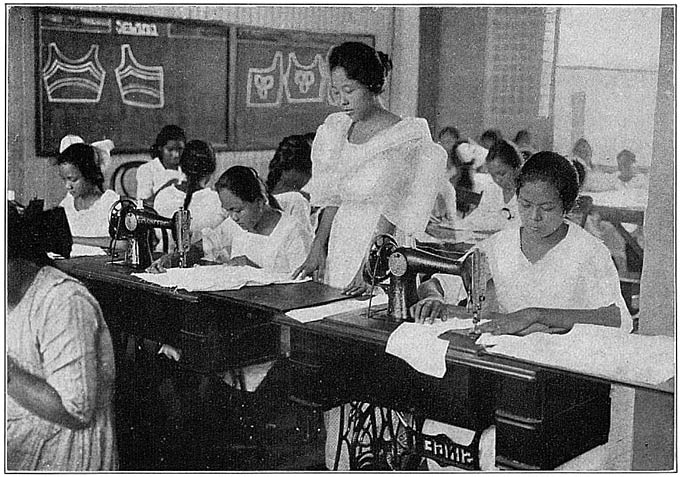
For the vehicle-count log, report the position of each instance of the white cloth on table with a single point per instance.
(394, 175)
(315, 313)
(152, 175)
(285, 249)
(215, 277)
(93, 221)
(57, 333)
(613, 355)
(296, 205)
(205, 209)
(420, 346)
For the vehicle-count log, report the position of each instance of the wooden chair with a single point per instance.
(467, 200)
(124, 180)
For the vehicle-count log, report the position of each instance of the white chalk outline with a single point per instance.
(276, 61)
(318, 62)
(137, 71)
(60, 62)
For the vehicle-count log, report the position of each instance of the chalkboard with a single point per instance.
(280, 84)
(123, 77)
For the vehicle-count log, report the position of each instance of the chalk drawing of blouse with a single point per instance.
(261, 82)
(305, 83)
(79, 80)
(139, 85)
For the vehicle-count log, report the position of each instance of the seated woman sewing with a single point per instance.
(256, 233)
(548, 273)
(544, 276)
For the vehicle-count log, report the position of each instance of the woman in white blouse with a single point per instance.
(256, 233)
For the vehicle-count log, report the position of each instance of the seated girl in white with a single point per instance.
(289, 170)
(87, 204)
(256, 233)
(498, 208)
(544, 276)
(164, 166)
(198, 163)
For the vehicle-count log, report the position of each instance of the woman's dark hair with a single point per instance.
(555, 169)
(197, 163)
(168, 133)
(493, 135)
(582, 149)
(293, 153)
(580, 169)
(85, 158)
(522, 135)
(244, 182)
(506, 153)
(362, 63)
(451, 130)
(24, 238)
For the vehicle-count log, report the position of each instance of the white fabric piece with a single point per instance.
(152, 175)
(294, 204)
(595, 350)
(215, 278)
(419, 345)
(68, 140)
(315, 313)
(78, 250)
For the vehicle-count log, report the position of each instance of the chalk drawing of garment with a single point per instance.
(264, 85)
(139, 85)
(73, 81)
(305, 83)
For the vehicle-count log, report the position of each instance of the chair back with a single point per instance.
(581, 209)
(124, 179)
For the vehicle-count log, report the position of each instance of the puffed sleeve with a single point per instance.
(68, 341)
(218, 241)
(293, 249)
(324, 183)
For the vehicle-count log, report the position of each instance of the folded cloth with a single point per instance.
(595, 350)
(215, 277)
(420, 346)
(314, 313)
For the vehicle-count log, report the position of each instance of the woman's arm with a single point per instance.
(36, 395)
(315, 262)
(171, 260)
(358, 286)
(552, 318)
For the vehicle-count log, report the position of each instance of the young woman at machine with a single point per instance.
(373, 171)
(165, 164)
(546, 273)
(288, 172)
(544, 276)
(86, 204)
(256, 232)
(198, 164)
(60, 364)
(498, 208)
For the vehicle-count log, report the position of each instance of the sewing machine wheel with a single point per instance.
(376, 268)
(117, 215)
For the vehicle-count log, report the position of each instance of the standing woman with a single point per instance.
(373, 171)
(60, 364)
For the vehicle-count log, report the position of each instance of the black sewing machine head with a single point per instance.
(403, 267)
(135, 223)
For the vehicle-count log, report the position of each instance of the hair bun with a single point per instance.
(385, 61)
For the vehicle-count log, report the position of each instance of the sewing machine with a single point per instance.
(136, 223)
(403, 265)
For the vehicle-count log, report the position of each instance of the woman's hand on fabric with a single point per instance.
(520, 322)
(357, 286)
(160, 265)
(428, 309)
(313, 266)
(241, 261)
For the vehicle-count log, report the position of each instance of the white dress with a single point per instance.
(57, 332)
(395, 175)
(205, 209)
(492, 213)
(296, 205)
(93, 221)
(152, 175)
(284, 250)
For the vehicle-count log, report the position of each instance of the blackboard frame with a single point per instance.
(41, 148)
(240, 33)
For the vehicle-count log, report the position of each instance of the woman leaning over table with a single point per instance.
(373, 172)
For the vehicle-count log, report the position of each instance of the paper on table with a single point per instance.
(420, 346)
(215, 277)
(314, 313)
(78, 250)
(595, 350)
